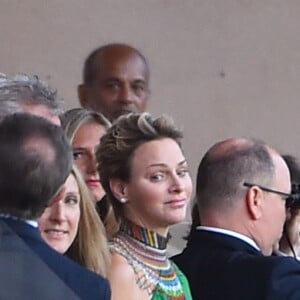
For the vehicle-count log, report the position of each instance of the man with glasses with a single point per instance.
(289, 244)
(243, 187)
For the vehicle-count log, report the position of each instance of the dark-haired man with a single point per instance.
(35, 160)
(242, 188)
(115, 81)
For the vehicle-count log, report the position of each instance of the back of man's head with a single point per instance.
(226, 167)
(35, 160)
(24, 93)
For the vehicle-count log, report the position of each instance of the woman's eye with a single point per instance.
(182, 172)
(77, 154)
(72, 200)
(157, 177)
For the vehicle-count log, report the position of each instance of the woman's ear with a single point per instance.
(254, 199)
(118, 188)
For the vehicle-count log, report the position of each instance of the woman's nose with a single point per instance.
(57, 212)
(176, 184)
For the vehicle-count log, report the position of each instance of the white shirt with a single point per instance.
(230, 233)
(33, 223)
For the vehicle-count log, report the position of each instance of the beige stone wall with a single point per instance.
(220, 67)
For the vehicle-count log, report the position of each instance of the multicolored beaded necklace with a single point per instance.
(145, 251)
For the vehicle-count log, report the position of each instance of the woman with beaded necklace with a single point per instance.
(146, 179)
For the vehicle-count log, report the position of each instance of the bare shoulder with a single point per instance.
(123, 281)
(120, 267)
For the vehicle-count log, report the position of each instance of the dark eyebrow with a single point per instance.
(118, 81)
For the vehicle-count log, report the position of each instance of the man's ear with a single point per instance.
(254, 199)
(118, 188)
(82, 95)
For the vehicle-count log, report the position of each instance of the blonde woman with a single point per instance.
(84, 129)
(71, 226)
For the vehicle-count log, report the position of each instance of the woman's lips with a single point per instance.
(93, 182)
(176, 203)
(55, 233)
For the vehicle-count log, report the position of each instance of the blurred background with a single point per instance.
(220, 68)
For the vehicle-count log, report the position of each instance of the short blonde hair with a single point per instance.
(73, 119)
(118, 145)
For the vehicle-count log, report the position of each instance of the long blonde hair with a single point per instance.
(90, 247)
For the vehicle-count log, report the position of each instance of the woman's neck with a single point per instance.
(161, 230)
(145, 235)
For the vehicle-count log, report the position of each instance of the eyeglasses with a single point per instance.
(289, 198)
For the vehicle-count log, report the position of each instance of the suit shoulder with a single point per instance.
(81, 278)
(94, 283)
(83, 272)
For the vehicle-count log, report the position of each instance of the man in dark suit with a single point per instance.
(16, 259)
(289, 244)
(242, 190)
(35, 160)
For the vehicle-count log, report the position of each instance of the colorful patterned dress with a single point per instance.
(145, 251)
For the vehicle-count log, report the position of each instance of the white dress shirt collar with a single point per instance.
(33, 223)
(230, 233)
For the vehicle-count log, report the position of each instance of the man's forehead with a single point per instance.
(114, 65)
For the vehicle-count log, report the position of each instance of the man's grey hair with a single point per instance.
(24, 89)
